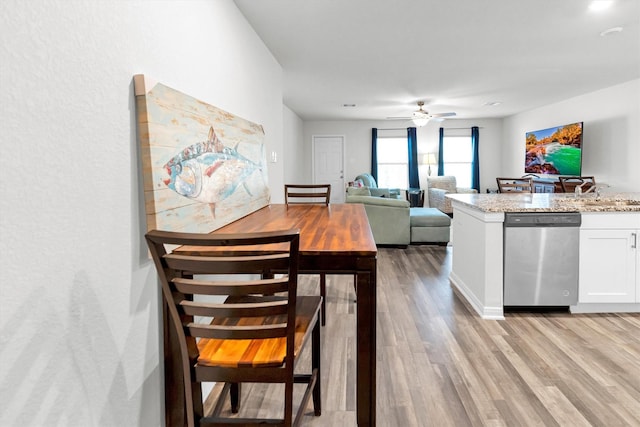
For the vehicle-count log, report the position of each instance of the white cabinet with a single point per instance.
(607, 266)
(609, 258)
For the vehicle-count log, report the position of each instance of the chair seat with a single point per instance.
(259, 353)
(428, 217)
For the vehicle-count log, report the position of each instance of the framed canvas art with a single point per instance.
(202, 167)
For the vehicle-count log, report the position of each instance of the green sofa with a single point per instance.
(388, 217)
(394, 222)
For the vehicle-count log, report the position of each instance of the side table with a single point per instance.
(415, 196)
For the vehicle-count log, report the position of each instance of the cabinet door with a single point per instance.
(607, 266)
(636, 238)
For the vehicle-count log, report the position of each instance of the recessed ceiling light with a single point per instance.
(598, 5)
(492, 103)
(610, 31)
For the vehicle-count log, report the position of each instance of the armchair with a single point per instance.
(438, 187)
(369, 181)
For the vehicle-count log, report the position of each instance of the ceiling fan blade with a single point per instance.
(443, 115)
(398, 118)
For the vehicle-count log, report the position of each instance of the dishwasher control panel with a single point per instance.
(541, 219)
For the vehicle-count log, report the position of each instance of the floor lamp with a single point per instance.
(429, 159)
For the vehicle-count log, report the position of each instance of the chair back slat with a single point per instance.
(237, 240)
(278, 330)
(235, 288)
(307, 193)
(256, 309)
(515, 185)
(221, 264)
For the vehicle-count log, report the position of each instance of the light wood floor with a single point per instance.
(439, 364)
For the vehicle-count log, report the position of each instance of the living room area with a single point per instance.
(502, 143)
(82, 319)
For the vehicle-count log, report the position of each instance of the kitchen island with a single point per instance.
(609, 271)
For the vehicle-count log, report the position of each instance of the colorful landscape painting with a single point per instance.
(554, 151)
(202, 167)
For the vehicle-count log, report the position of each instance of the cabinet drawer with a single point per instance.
(610, 220)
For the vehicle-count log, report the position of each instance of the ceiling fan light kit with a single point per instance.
(422, 117)
(420, 121)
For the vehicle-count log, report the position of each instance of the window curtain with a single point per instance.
(374, 153)
(441, 153)
(412, 141)
(475, 163)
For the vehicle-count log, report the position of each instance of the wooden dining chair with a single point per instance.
(316, 194)
(569, 183)
(307, 193)
(253, 330)
(515, 185)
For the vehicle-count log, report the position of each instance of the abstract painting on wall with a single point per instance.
(202, 167)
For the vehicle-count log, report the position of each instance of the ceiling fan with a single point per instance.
(421, 117)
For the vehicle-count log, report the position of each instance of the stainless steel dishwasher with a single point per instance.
(541, 259)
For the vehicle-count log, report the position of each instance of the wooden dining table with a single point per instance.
(334, 239)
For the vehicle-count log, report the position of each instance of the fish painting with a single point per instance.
(201, 167)
(209, 171)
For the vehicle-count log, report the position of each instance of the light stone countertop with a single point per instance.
(550, 202)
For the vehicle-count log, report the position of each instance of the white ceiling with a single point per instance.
(456, 55)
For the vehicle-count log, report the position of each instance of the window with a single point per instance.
(457, 159)
(393, 162)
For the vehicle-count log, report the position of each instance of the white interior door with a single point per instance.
(328, 164)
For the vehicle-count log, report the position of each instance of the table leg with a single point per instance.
(366, 345)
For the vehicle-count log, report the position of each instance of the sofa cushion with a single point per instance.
(430, 234)
(380, 192)
(428, 217)
(378, 201)
(358, 191)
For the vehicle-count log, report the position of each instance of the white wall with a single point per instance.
(79, 322)
(358, 143)
(611, 139)
(293, 152)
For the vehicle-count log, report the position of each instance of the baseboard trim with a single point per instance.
(488, 313)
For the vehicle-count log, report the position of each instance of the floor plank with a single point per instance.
(439, 364)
